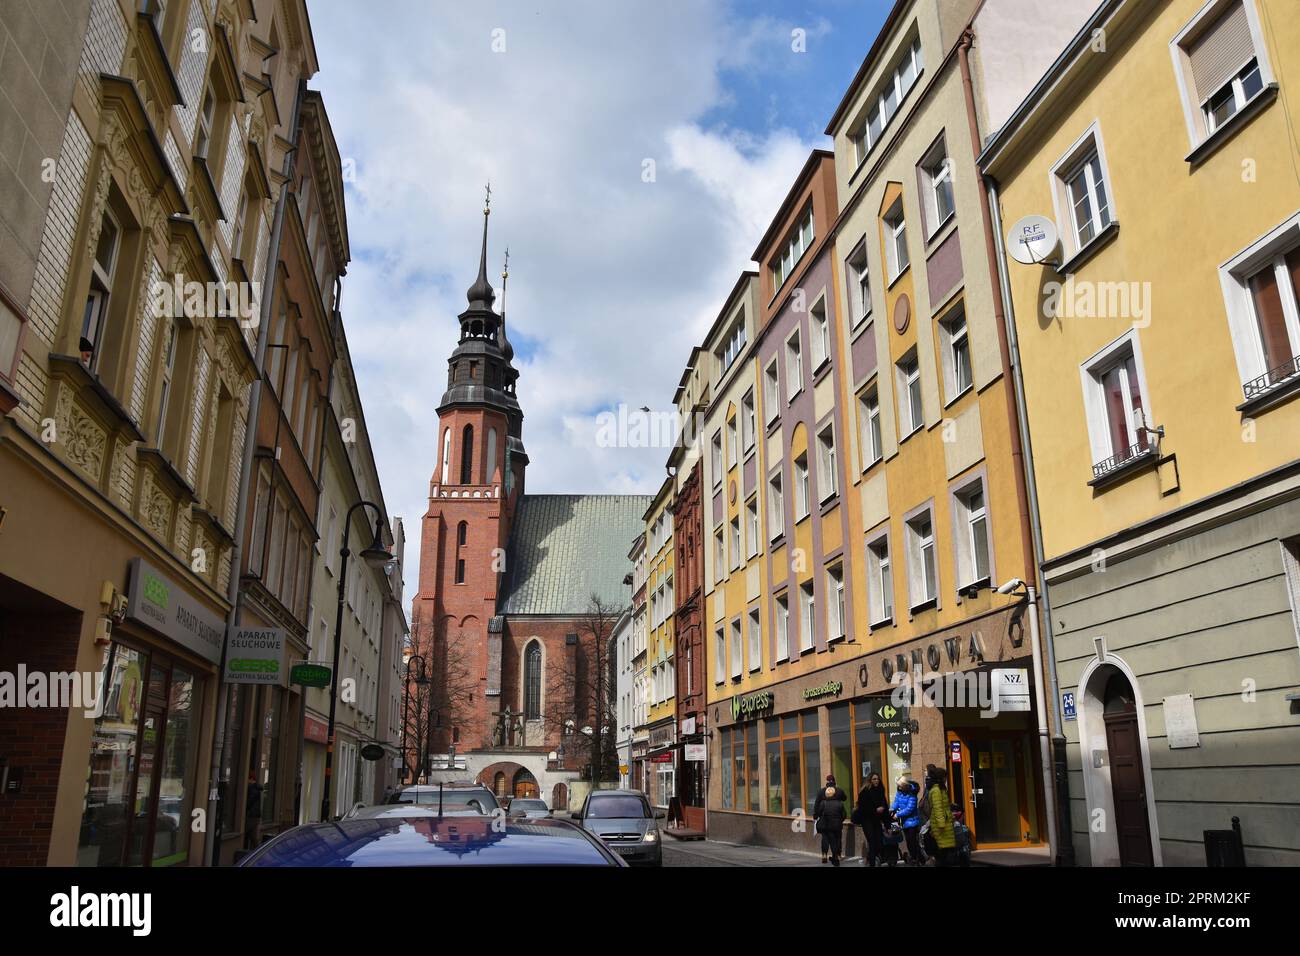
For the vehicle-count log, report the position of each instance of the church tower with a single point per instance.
(477, 482)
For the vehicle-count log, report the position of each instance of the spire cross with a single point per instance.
(487, 199)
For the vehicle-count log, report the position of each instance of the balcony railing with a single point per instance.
(1139, 450)
(1271, 379)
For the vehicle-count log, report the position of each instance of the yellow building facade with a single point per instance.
(660, 662)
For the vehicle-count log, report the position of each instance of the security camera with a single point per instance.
(1015, 584)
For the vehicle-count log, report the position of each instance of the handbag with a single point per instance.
(892, 835)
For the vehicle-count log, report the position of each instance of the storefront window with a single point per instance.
(238, 704)
(842, 752)
(176, 788)
(726, 769)
(751, 754)
(793, 791)
(270, 752)
(774, 790)
(113, 754)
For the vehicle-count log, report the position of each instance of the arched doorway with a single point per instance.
(1127, 779)
(525, 784)
(499, 784)
(560, 797)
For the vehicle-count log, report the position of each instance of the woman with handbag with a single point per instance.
(872, 814)
(904, 811)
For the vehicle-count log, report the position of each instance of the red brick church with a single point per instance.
(517, 593)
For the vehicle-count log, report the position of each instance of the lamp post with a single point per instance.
(376, 556)
(420, 681)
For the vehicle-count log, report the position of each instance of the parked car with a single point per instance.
(528, 808)
(452, 797)
(418, 836)
(624, 821)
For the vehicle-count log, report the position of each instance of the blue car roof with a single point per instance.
(433, 841)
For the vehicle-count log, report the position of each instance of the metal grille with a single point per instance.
(1273, 377)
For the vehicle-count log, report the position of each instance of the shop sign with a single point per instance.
(665, 757)
(696, 753)
(889, 719)
(372, 752)
(255, 655)
(317, 731)
(157, 602)
(750, 705)
(831, 688)
(1011, 689)
(954, 748)
(310, 675)
(688, 726)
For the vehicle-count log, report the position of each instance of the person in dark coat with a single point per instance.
(873, 813)
(828, 815)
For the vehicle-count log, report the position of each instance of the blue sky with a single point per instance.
(613, 278)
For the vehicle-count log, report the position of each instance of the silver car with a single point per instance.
(625, 823)
(528, 808)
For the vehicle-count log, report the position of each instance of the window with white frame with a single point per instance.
(1114, 390)
(1082, 191)
(883, 106)
(800, 240)
(737, 661)
(775, 506)
(103, 271)
(732, 346)
(165, 388)
(910, 414)
(936, 193)
(821, 334)
(1262, 293)
(719, 557)
(807, 617)
(827, 481)
(859, 285)
(751, 526)
(957, 374)
(755, 659)
(802, 498)
(1221, 63)
(735, 542)
(880, 581)
(715, 457)
(771, 392)
(970, 517)
(207, 116)
(748, 420)
(835, 614)
(922, 569)
(869, 426)
(793, 367)
(733, 446)
(719, 656)
(896, 255)
(782, 628)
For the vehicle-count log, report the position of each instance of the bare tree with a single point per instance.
(580, 695)
(441, 700)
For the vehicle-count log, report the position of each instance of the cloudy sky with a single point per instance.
(560, 103)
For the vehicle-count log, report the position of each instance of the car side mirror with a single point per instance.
(661, 814)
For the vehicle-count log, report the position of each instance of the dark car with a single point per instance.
(528, 807)
(624, 821)
(452, 798)
(423, 838)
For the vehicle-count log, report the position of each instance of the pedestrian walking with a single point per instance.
(872, 814)
(904, 810)
(828, 816)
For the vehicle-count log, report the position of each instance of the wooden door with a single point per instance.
(1128, 788)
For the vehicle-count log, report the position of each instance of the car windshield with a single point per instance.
(617, 807)
(527, 804)
(476, 801)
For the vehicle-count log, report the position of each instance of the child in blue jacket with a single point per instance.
(904, 810)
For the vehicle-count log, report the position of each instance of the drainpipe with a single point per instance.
(1021, 465)
(211, 845)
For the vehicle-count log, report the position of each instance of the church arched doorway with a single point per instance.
(560, 797)
(525, 784)
(499, 784)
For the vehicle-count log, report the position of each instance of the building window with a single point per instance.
(807, 617)
(715, 457)
(884, 105)
(775, 506)
(922, 572)
(1262, 291)
(821, 335)
(751, 526)
(165, 387)
(103, 270)
(1220, 64)
(793, 367)
(835, 612)
(719, 557)
(972, 528)
(446, 455)
(936, 191)
(793, 751)
(782, 628)
(467, 455)
(733, 446)
(896, 257)
(1083, 189)
(735, 542)
(719, 656)
(771, 392)
(869, 423)
(207, 117)
(748, 421)
(1118, 423)
(802, 498)
(732, 347)
(859, 285)
(909, 391)
(755, 660)
(800, 240)
(737, 662)
(533, 681)
(826, 467)
(880, 581)
(957, 376)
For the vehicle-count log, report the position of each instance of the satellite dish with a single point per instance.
(1034, 240)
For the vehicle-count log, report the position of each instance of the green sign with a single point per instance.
(831, 688)
(310, 675)
(751, 705)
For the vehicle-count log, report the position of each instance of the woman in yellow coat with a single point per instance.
(941, 822)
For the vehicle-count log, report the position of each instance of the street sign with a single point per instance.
(372, 752)
(310, 675)
(1067, 705)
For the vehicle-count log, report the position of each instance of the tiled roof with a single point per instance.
(564, 548)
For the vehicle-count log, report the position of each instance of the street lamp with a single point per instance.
(376, 555)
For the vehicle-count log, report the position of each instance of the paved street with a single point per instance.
(712, 853)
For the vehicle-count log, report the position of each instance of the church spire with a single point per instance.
(480, 294)
(506, 348)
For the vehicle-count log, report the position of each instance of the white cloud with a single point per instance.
(612, 279)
